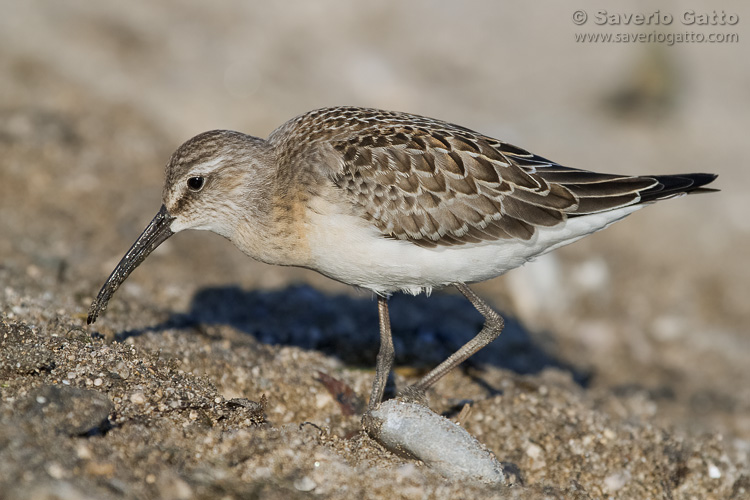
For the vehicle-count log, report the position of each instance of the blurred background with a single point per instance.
(95, 96)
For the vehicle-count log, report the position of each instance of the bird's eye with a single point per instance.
(196, 183)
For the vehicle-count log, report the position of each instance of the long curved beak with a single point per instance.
(154, 235)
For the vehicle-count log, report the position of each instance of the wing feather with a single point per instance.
(434, 183)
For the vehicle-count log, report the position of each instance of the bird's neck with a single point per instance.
(273, 228)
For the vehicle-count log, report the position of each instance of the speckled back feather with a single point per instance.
(434, 183)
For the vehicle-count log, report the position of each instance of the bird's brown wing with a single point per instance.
(434, 183)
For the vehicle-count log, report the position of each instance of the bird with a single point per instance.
(388, 202)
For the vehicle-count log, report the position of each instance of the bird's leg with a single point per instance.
(493, 325)
(385, 355)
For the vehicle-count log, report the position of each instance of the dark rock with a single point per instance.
(67, 410)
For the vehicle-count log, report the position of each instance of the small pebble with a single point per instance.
(83, 451)
(305, 484)
(713, 471)
(138, 398)
(617, 480)
(55, 470)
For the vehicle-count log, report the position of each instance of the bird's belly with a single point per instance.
(350, 250)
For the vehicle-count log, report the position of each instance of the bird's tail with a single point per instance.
(603, 192)
(670, 186)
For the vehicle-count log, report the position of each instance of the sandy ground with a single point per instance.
(624, 369)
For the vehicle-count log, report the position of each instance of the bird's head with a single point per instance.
(213, 182)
